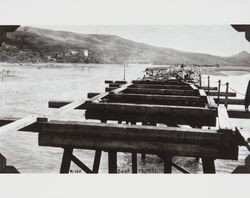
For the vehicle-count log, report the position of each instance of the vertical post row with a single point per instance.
(66, 160)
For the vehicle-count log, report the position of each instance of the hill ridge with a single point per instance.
(30, 44)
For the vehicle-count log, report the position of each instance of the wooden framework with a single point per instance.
(136, 109)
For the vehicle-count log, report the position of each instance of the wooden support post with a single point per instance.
(143, 157)
(218, 99)
(167, 164)
(97, 160)
(2, 163)
(66, 160)
(200, 80)
(247, 97)
(134, 162)
(226, 97)
(208, 84)
(112, 161)
(208, 165)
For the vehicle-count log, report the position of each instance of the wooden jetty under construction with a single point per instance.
(144, 117)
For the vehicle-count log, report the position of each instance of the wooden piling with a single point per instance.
(97, 160)
(66, 160)
(226, 97)
(200, 80)
(218, 98)
(134, 162)
(112, 161)
(247, 97)
(208, 165)
(208, 84)
(167, 164)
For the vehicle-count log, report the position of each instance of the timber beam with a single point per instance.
(167, 82)
(215, 93)
(156, 86)
(137, 139)
(157, 99)
(161, 91)
(151, 113)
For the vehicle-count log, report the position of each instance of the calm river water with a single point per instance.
(27, 90)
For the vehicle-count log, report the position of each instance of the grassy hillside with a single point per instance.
(30, 44)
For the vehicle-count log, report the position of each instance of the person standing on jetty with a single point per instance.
(247, 97)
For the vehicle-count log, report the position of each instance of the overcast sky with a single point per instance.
(220, 40)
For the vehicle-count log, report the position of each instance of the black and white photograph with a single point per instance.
(124, 99)
(118, 99)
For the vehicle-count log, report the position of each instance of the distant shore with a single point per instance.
(216, 71)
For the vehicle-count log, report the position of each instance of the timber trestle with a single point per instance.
(144, 117)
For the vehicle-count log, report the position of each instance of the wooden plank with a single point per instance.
(91, 95)
(147, 109)
(153, 96)
(155, 86)
(97, 98)
(121, 81)
(193, 87)
(202, 93)
(120, 89)
(58, 103)
(136, 132)
(167, 82)
(230, 101)
(210, 88)
(138, 146)
(108, 89)
(232, 113)
(15, 126)
(108, 81)
(157, 99)
(64, 109)
(211, 102)
(7, 120)
(223, 120)
(164, 118)
(161, 91)
(215, 93)
(238, 114)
